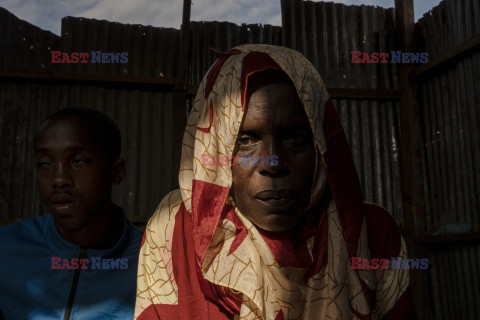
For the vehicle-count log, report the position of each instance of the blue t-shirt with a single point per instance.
(43, 277)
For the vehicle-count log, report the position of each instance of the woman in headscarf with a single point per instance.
(273, 238)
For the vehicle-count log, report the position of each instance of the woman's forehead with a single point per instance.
(278, 91)
(275, 104)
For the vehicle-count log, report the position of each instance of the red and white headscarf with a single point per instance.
(201, 258)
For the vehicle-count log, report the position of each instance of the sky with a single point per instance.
(47, 14)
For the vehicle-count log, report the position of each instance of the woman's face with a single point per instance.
(274, 194)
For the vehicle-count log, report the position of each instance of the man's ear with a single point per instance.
(119, 171)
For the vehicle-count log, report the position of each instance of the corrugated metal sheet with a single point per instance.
(20, 42)
(152, 52)
(450, 102)
(454, 282)
(372, 129)
(223, 36)
(451, 112)
(326, 33)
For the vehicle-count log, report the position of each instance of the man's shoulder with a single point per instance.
(25, 229)
(22, 240)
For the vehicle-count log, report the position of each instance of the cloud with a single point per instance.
(247, 11)
(377, 3)
(163, 13)
(47, 14)
(275, 20)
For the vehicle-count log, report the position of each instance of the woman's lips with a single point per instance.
(276, 203)
(276, 198)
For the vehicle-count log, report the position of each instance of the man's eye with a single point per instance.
(43, 164)
(79, 161)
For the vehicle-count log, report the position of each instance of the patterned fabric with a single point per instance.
(202, 259)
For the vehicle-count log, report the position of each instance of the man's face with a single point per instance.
(74, 177)
(275, 124)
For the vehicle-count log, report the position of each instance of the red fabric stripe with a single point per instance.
(208, 205)
(359, 315)
(240, 232)
(320, 247)
(279, 315)
(403, 309)
(207, 130)
(290, 247)
(252, 63)
(288, 253)
(143, 238)
(215, 69)
(384, 239)
(343, 179)
(192, 303)
(159, 312)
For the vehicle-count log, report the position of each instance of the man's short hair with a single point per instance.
(99, 123)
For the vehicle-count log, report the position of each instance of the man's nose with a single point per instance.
(62, 177)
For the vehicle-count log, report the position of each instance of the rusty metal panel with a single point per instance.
(326, 33)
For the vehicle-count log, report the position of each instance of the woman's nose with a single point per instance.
(272, 158)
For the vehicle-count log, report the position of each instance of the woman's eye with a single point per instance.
(246, 141)
(296, 139)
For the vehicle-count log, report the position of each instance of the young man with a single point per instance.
(79, 261)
